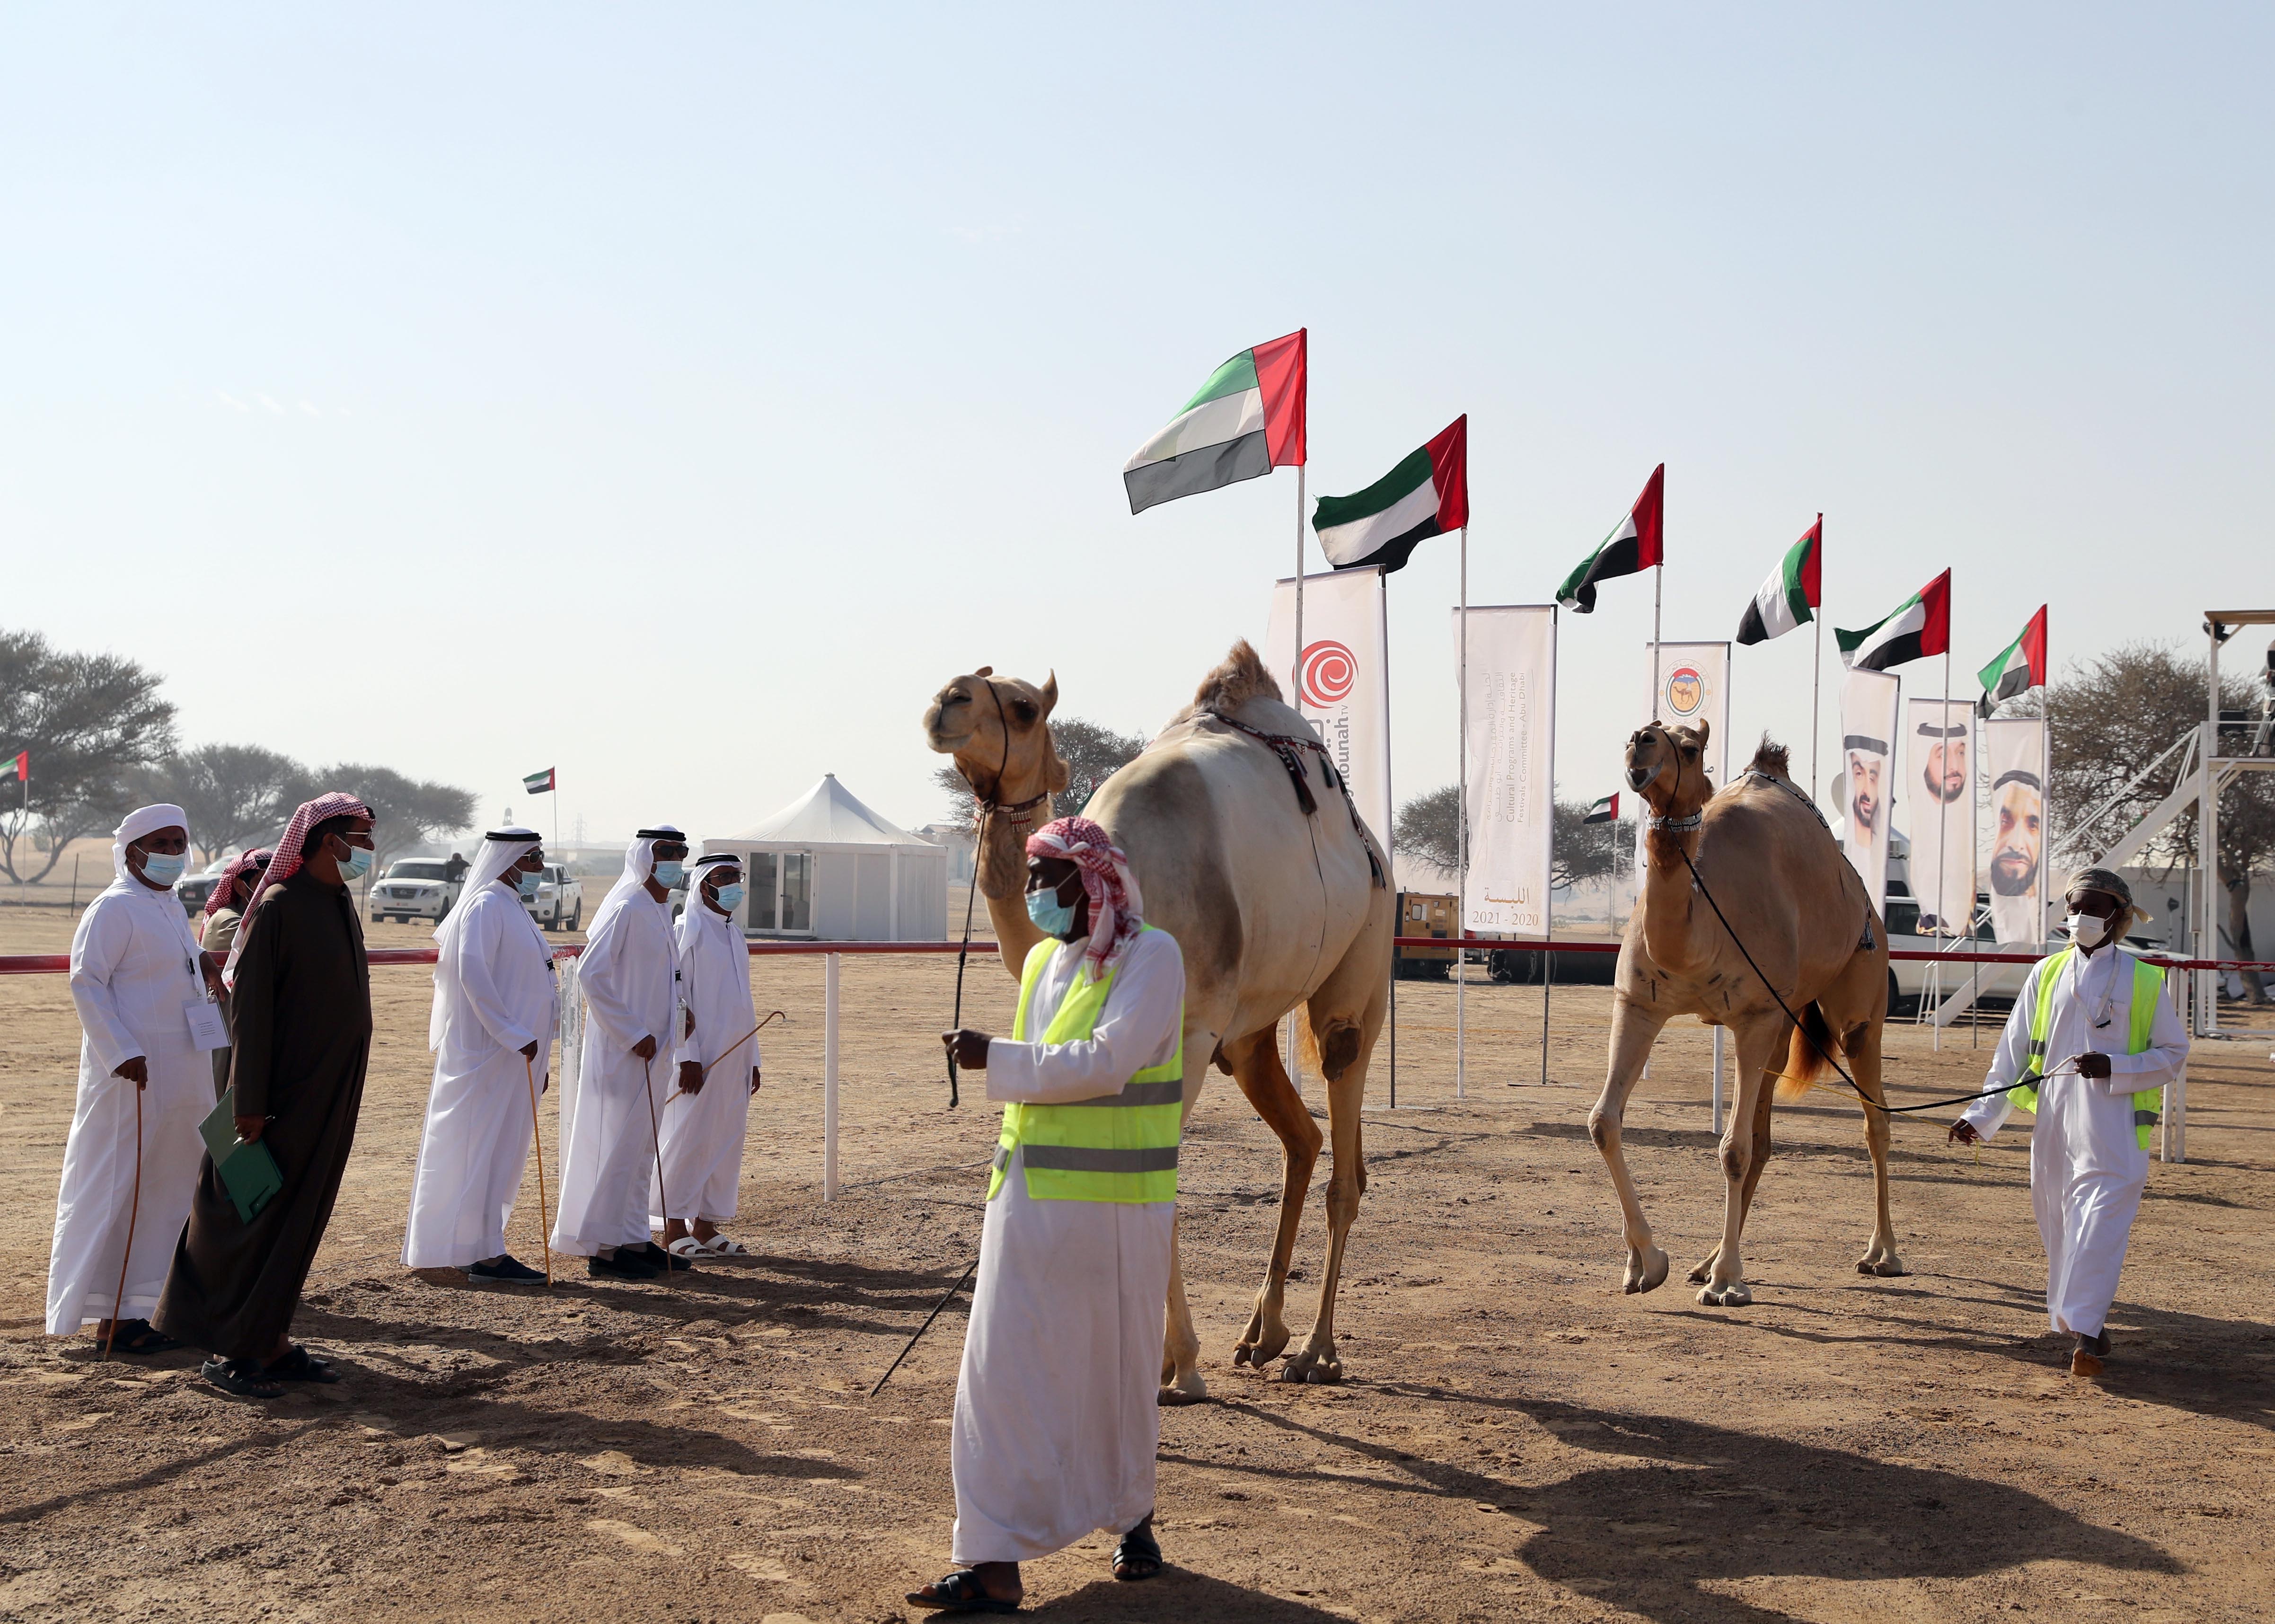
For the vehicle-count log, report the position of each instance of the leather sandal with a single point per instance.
(241, 1378)
(301, 1365)
(960, 1591)
(1138, 1556)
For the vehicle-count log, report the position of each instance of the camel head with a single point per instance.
(998, 729)
(1666, 767)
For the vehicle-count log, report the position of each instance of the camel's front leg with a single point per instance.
(1256, 1067)
(1864, 1045)
(1633, 1030)
(1319, 1362)
(1745, 1151)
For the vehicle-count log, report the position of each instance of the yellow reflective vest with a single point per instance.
(2148, 987)
(1117, 1148)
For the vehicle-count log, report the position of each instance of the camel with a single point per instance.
(1788, 894)
(1273, 906)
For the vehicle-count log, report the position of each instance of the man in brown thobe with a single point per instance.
(302, 1008)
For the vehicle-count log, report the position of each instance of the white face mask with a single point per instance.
(2087, 930)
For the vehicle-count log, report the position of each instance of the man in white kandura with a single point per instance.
(492, 1034)
(718, 1056)
(1055, 1421)
(2090, 1042)
(610, 1128)
(141, 985)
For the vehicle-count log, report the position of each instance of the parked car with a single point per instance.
(415, 888)
(1423, 914)
(194, 891)
(559, 904)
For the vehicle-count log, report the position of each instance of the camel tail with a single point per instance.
(1806, 1062)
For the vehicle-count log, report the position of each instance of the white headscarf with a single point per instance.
(639, 863)
(142, 820)
(502, 849)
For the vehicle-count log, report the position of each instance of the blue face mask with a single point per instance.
(1051, 915)
(358, 864)
(163, 867)
(525, 882)
(729, 896)
(670, 872)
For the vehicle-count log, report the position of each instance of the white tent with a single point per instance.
(828, 867)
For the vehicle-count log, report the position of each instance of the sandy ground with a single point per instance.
(1515, 1438)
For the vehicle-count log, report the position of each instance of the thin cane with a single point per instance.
(655, 1137)
(133, 1216)
(921, 1329)
(537, 1138)
(678, 1093)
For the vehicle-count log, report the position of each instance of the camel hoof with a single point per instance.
(1646, 1272)
(1240, 1355)
(1734, 1294)
(1887, 1265)
(1704, 1272)
(1186, 1389)
(1308, 1366)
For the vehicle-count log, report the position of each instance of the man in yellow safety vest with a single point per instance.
(2091, 1041)
(1055, 1421)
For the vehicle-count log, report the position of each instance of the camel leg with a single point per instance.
(1862, 1042)
(1745, 1149)
(1758, 1158)
(1181, 1343)
(1318, 1360)
(1633, 1030)
(1256, 1067)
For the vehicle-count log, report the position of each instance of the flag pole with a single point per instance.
(1658, 583)
(1943, 830)
(1817, 661)
(1297, 666)
(1390, 834)
(1461, 846)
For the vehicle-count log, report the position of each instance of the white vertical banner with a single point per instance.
(1511, 767)
(1869, 709)
(1693, 685)
(1346, 678)
(2014, 839)
(1940, 791)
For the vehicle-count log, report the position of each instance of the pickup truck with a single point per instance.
(559, 904)
(415, 888)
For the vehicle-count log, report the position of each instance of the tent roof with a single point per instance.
(828, 814)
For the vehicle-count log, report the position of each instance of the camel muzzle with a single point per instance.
(1638, 776)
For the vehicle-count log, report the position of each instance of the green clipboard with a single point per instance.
(248, 1172)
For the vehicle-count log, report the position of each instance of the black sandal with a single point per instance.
(241, 1378)
(138, 1337)
(301, 1365)
(961, 1592)
(1138, 1556)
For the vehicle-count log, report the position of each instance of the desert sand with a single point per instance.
(1515, 1438)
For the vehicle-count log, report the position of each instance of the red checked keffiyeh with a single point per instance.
(286, 862)
(1116, 908)
(225, 887)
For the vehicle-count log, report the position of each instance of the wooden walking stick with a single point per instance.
(656, 1138)
(921, 1329)
(133, 1216)
(537, 1139)
(705, 1075)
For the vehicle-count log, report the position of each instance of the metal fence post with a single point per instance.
(829, 1076)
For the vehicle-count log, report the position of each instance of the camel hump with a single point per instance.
(1240, 678)
(1771, 758)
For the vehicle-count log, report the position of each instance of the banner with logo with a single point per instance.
(1939, 802)
(1512, 766)
(2014, 831)
(1869, 709)
(1692, 681)
(1345, 677)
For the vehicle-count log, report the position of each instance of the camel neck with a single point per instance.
(1670, 911)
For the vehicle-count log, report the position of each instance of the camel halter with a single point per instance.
(988, 804)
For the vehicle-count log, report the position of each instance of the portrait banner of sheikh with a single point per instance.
(1511, 703)
(1869, 709)
(2014, 835)
(1684, 684)
(1345, 672)
(1940, 811)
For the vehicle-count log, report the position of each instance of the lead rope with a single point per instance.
(979, 837)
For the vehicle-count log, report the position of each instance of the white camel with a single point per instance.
(1248, 854)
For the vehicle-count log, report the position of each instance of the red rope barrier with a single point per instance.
(1537, 944)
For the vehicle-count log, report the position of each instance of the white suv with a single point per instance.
(559, 904)
(415, 888)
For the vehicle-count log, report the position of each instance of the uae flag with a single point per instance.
(1634, 547)
(1246, 421)
(1920, 626)
(17, 769)
(1425, 496)
(2020, 667)
(1605, 810)
(539, 783)
(1792, 591)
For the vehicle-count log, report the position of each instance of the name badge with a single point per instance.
(207, 1030)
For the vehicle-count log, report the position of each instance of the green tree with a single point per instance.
(234, 794)
(404, 811)
(90, 722)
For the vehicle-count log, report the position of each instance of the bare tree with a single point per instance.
(89, 721)
(1428, 827)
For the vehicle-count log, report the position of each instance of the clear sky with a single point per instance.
(679, 395)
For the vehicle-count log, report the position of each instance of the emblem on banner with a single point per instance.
(1329, 672)
(1686, 692)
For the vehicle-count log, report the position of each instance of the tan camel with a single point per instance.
(1274, 907)
(1800, 909)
